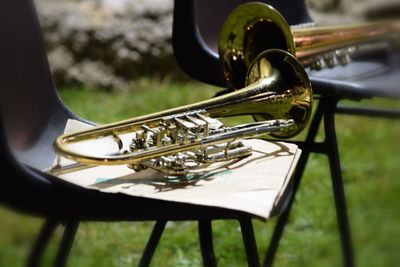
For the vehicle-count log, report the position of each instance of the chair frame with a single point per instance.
(188, 43)
(329, 147)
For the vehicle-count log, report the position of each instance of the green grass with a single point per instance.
(370, 155)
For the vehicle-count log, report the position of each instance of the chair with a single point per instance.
(32, 115)
(195, 35)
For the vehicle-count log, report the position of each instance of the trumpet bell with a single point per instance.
(291, 90)
(249, 30)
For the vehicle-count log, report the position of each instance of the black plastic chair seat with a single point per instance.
(26, 188)
(59, 199)
(365, 78)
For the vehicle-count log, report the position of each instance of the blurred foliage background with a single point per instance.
(369, 151)
(111, 43)
(112, 59)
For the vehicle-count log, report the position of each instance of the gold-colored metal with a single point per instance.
(278, 89)
(254, 27)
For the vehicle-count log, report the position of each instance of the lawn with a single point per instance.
(369, 150)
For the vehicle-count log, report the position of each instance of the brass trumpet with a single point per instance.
(254, 27)
(179, 139)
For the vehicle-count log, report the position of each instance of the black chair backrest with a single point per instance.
(196, 29)
(28, 100)
(31, 113)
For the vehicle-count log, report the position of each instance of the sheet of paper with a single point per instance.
(253, 184)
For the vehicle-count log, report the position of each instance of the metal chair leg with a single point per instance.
(284, 217)
(249, 241)
(369, 111)
(67, 240)
(338, 189)
(41, 242)
(152, 244)
(206, 244)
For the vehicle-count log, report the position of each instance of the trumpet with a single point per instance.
(177, 140)
(254, 27)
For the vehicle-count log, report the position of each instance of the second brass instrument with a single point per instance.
(254, 27)
(176, 140)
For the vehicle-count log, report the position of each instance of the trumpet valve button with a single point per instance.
(317, 64)
(137, 167)
(329, 60)
(342, 57)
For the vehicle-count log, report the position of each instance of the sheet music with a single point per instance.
(253, 184)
